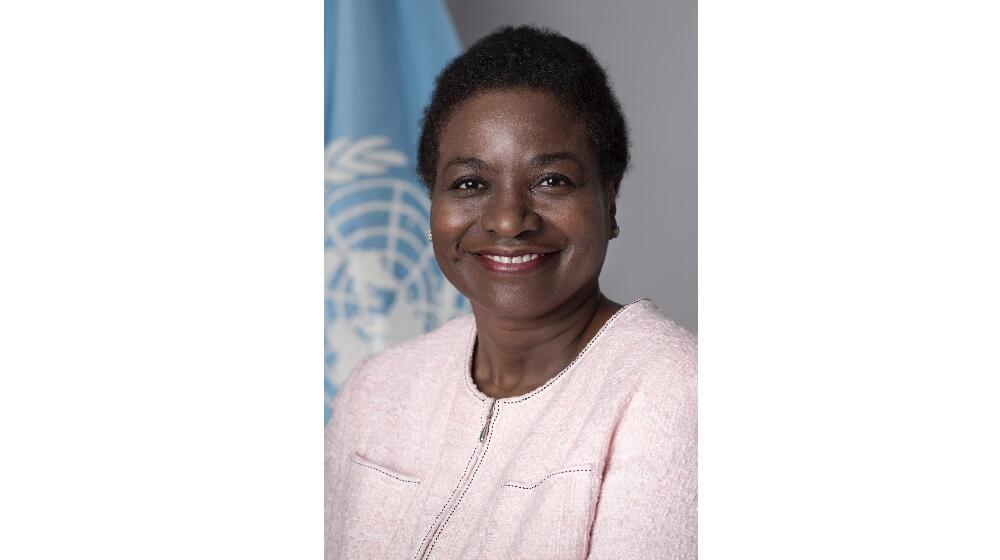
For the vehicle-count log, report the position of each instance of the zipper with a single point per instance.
(463, 485)
(486, 426)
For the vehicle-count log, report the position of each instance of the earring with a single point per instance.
(430, 237)
(615, 231)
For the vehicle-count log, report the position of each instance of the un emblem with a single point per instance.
(382, 282)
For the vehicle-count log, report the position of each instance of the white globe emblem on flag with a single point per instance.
(382, 282)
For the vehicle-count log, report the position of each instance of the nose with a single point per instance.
(509, 213)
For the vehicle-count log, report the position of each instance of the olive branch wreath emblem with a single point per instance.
(346, 160)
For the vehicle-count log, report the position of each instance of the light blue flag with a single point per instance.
(382, 282)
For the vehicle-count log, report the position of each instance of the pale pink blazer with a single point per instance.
(600, 462)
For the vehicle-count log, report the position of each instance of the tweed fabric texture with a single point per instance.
(600, 462)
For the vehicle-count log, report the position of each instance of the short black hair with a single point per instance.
(538, 58)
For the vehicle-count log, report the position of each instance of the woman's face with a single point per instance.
(517, 181)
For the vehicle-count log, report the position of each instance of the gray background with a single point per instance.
(650, 52)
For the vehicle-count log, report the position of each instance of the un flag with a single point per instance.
(382, 282)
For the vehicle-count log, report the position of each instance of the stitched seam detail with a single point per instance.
(496, 413)
(446, 502)
(579, 356)
(537, 484)
(466, 369)
(389, 474)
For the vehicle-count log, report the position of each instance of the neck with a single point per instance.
(513, 356)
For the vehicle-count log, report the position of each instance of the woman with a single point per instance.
(552, 422)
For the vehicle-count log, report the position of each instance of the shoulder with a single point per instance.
(660, 359)
(415, 354)
(401, 369)
(411, 357)
(656, 347)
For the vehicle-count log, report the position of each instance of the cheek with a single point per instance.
(590, 250)
(582, 223)
(585, 230)
(450, 220)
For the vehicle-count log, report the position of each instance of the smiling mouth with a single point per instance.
(516, 264)
(513, 260)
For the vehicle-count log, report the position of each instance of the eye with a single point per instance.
(467, 184)
(555, 181)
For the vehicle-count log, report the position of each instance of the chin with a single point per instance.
(514, 302)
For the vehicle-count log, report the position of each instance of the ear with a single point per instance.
(610, 196)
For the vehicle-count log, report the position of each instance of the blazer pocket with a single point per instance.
(545, 515)
(361, 461)
(375, 500)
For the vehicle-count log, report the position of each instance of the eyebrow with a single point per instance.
(544, 159)
(540, 160)
(467, 161)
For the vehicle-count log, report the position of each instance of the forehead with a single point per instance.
(512, 123)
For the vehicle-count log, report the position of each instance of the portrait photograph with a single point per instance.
(585, 280)
(511, 280)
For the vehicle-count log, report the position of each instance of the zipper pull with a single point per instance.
(486, 427)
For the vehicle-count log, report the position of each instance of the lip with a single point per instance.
(515, 268)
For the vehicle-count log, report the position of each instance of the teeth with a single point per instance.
(513, 260)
